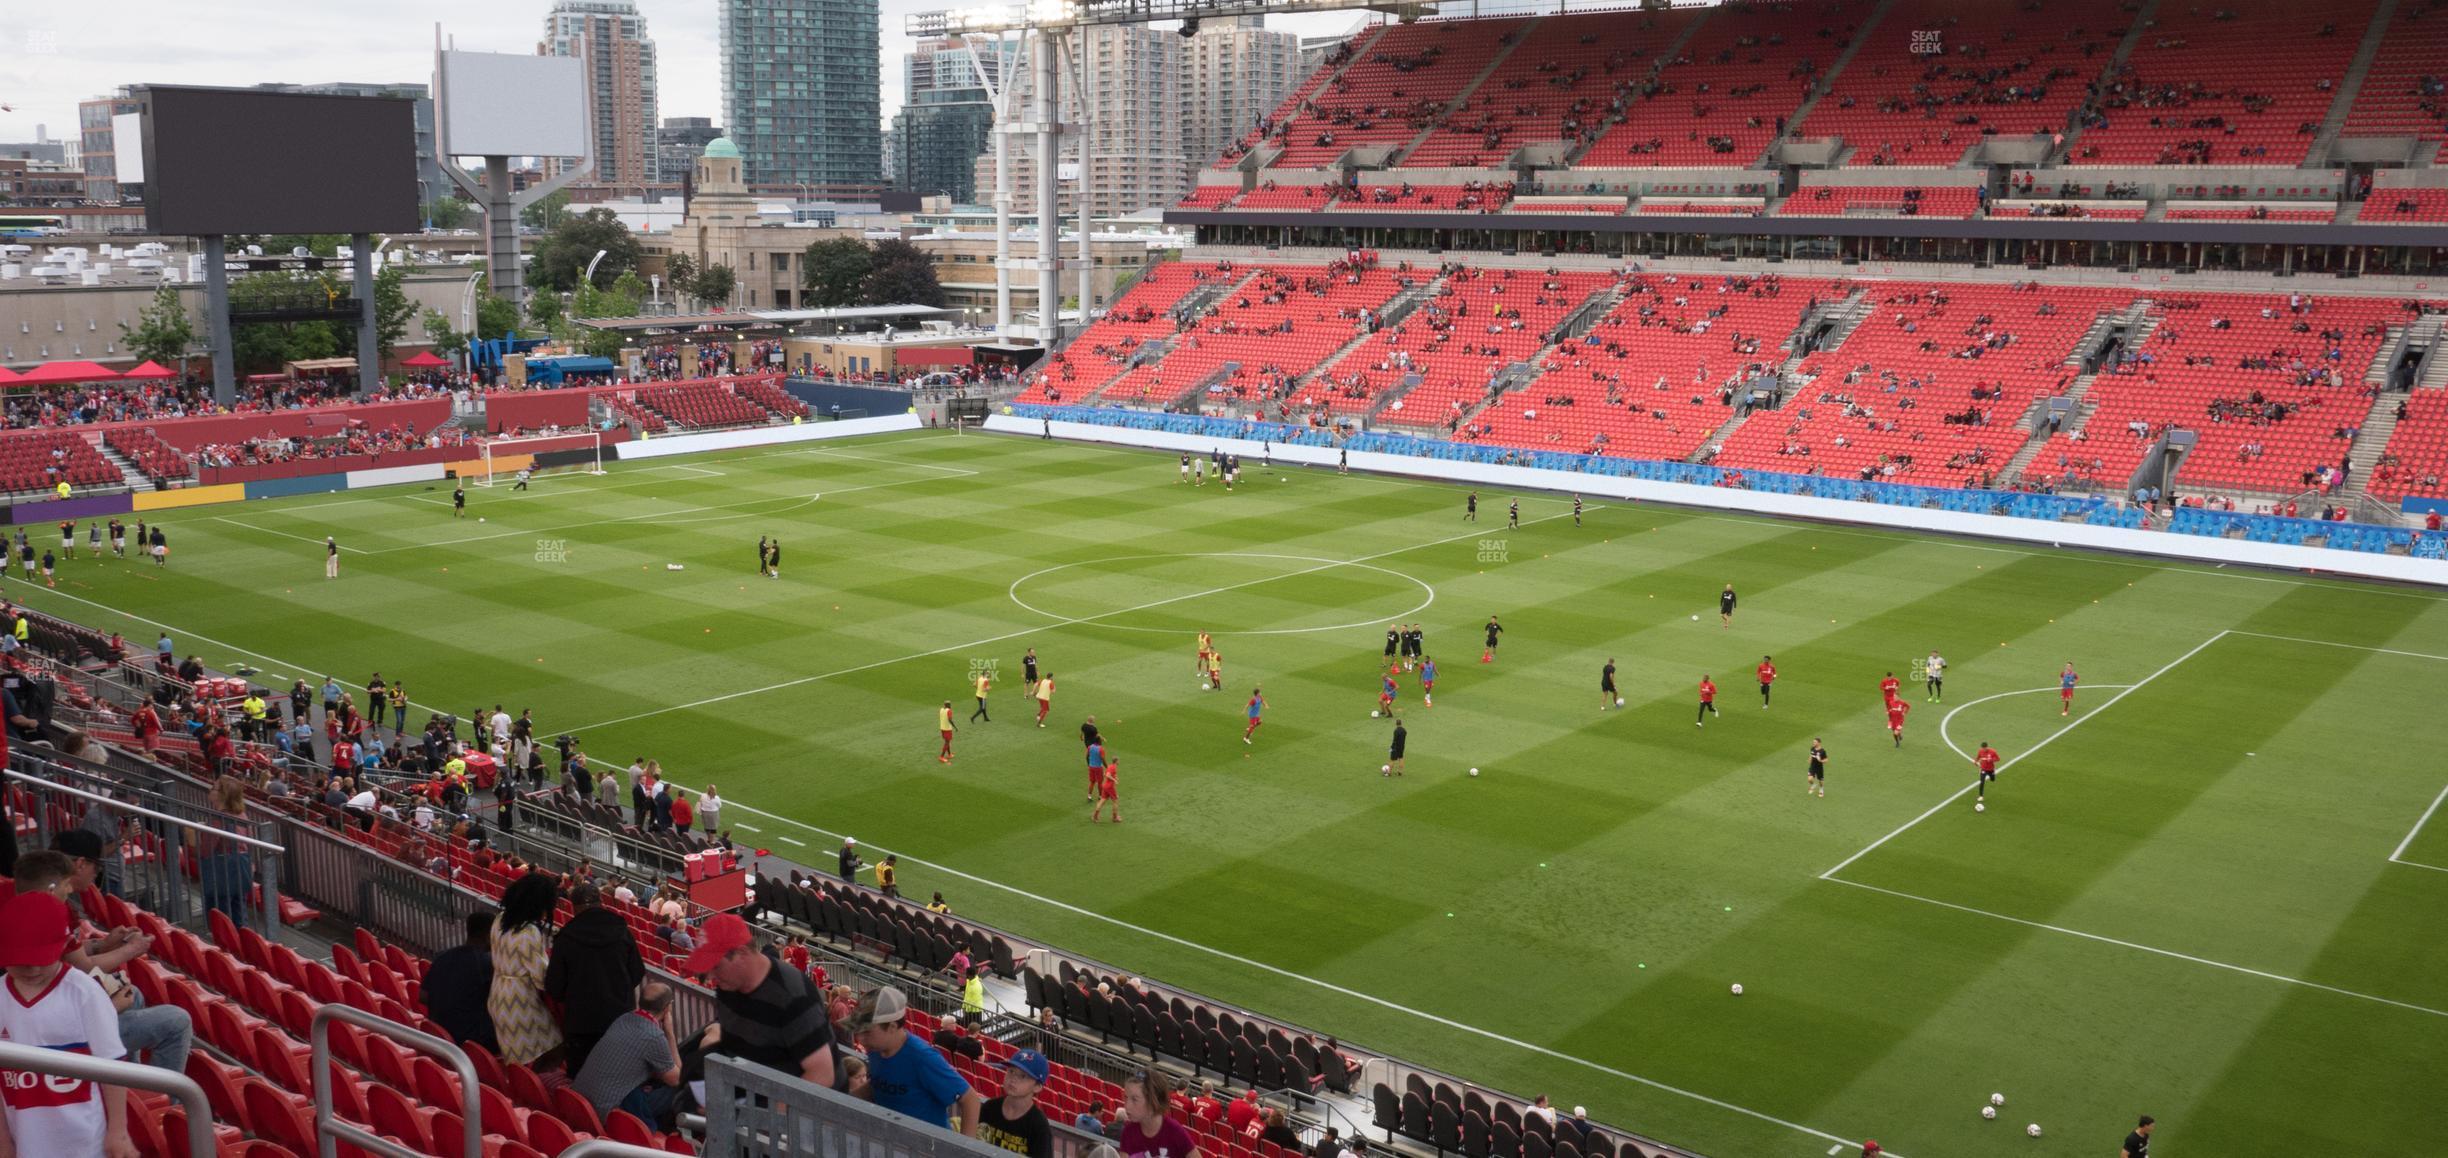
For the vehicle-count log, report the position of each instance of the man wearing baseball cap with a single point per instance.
(51, 1006)
(765, 1013)
(1013, 1121)
(907, 1075)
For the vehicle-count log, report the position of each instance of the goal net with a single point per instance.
(544, 454)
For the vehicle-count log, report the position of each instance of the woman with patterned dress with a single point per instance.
(521, 948)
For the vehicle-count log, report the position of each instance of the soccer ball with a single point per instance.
(480, 518)
(1738, 989)
(1977, 806)
(1619, 701)
(1385, 767)
(1474, 771)
(2033, 1129)
(1989, 1112)
(1997, 1099)
(1695, 619)
(1373, 713)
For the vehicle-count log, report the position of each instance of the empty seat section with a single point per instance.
(1931, 387)
(1143, 314)
(2403, 94)
(2208, 85)
(1938, 77)
(1261, 336)
(2404, 207)
(1479, 322)
(2416, 457)
(1555, 86)
(1721, 100)
(1400, 84)
(1956, 201)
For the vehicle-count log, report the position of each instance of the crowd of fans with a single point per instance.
(360, 439)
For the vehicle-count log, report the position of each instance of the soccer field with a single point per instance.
(2209, 893)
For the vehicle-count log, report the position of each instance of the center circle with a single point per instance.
(1163, 593)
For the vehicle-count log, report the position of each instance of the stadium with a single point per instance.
(1847, 381)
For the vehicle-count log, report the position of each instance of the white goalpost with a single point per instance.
(508, 456)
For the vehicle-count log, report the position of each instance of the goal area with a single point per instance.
(575, 453)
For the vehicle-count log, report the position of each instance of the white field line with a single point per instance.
(2151, 949)
(1949, 718)
(344, 548)
(2398, 857)
(1052, 623)
(2051, 738)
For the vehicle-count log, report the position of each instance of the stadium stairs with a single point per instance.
(2130, 329)
(1461, 99)
(2145, 19)
(2350, 86)
(129, 473)
(1822, 328)
(1826, 82)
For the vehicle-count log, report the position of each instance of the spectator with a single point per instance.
(165, 1032)
(58, 1008)
(1013, 1121)
(767, 1014)
(522, 1023)
(849, 860)
(682, 813)
(1243, 1109)
(1329, 1145)
(1205, 1107)
(594, 972)
(457, 983)
(1146, 1130)
(635, 1065)
(1541, 1109)
(1279, 1131)
(973, 992)
(907, 1075)
(1091, 1121)
(709, 810)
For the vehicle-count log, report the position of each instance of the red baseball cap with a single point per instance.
(721, 933)
(34, 929)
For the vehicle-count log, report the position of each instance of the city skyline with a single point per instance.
(48, 65)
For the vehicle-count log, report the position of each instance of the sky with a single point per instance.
(53, 55)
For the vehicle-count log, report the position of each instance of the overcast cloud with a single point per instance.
(52, 55)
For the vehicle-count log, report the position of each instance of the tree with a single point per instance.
(495, 316)
(714, 285)
(832, 269)
(545, 213)
(446, 213)
(446, 338)
(622, 300)
(680, 274)
(259, 347)
(902, 277)
(544, 309)
(282, 244)
(562, 257)
(162, 332)
(392, 309)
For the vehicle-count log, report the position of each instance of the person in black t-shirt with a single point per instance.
(1606, 685)
(1725, 605)
(2137, 1144)
(767, 1013)
(1013, 1122)
(1393, 642)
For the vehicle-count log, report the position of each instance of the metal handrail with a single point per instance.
(138, 810)
(330, 1131)
(124, 1074)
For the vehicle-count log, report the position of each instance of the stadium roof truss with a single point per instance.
(1024, 15)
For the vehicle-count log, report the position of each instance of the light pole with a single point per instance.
(588, 278)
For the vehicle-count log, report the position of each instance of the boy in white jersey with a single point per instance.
(50, 1006)
(1933, 676)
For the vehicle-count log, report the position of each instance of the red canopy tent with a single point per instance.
(150, 371)
(424, 360)
(7, 375)
(62, 373)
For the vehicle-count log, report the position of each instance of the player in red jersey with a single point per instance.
(943, 723)
(1385, 694)
(2065, 688)
(1257, 705)
(1896, 710)
(1045, 696)
(1767, 676)
(1987, 760)
(1428, 680)
(1888, 688)
(1108, 792)
(1708, 702)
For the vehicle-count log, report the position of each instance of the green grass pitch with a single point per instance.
(2189, 898)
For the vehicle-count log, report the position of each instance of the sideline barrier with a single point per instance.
(2039, 532)
(54, 510)
(764, 436)
(189, 497)
(394, 475)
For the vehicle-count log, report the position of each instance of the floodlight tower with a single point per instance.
(500, 204)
